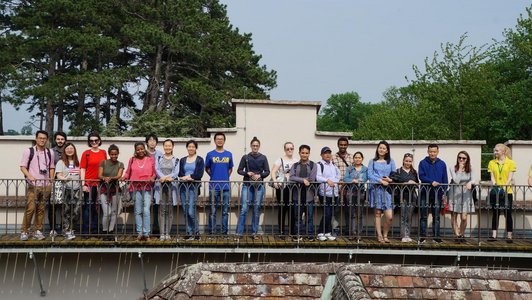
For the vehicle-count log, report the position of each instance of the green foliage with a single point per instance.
(343, 112)
(81, 60)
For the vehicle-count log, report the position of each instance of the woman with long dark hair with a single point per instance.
(380, 200)
(67, 169)
(460, 196)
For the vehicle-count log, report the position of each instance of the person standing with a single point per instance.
(530, 176)
(343, 160)
(67, 169)
(151, 149)
(54, 210)
(407, 193)
(89, 164)
(166, 169)
(460, 197)
(219, 166)
(355, 179)
(141, 175)
(502, 169)
(254, 167)
(280, 176)
(38, 167)
(433, 174)
(109, 172)
(328, 176)
(379, 169)
(303, 174)
(191, 169)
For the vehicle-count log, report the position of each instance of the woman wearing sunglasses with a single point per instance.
(280, 175)
(89, 165)
(460, 199)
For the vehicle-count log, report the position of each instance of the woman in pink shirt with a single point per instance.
(141, 174)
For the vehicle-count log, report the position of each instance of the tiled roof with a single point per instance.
(425, 282)
(245, 281)
(353, 281)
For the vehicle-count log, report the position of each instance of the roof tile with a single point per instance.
(415, 293)
(507, 285)
(523, 286)
(429, 294)
(488, 295)
(405, 281)
(479, 284)
(463, 284)
(400, 293)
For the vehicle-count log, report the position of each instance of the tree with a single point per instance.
(343, 112)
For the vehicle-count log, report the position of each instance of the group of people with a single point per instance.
(91, 184)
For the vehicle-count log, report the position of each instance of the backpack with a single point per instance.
(32, 154)
(311, 165)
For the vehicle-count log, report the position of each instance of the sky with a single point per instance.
(321, 48)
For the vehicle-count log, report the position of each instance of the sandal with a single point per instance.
(139, 237)
(380, 239)
(386, 240)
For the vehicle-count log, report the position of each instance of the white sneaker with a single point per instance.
(330, 237)
(23, 236)
(53, 233)
(406, 239)
(322, 237)
(162, 238)
(69, 235)
(38, 235)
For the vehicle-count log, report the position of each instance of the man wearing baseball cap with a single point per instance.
(328, 176)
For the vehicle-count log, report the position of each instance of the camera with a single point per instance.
(43, 172)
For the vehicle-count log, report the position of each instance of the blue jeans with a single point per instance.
(428, 200)
(188, 197)
(142, 211)
(328, 208)
(300, 207)
(89, 214)
(214, 198)
(254, 194)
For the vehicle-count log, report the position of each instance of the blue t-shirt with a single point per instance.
(219, 163)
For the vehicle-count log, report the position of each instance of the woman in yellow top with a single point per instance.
(502, 170)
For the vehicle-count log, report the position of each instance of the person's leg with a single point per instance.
(494, 213)
(436, 204)
(257, 204)
(297, 212)
(137, 195)
(113, 213)
(378, 215)
(43, 193)
(226, 195)
(29, 210)
(162, 212)
(146, 212)
(106, 210)
(211, 224)
(423, 211)
(67, 212)
(328, 214)
(321, 226)
(185, 202)
(244, 202)
(94, 211)
(191, 212)
(388, 216)
(85, 213)
(310, 217)
(280, 219)
(405, 231)
(463, 224)
(509, 219)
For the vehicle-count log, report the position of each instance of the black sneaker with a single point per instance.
(311, 238)
(492, 239)
(422, 240)
(438, 241)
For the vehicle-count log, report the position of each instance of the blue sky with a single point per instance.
(320, 48)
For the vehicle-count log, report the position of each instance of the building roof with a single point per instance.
(353, 281)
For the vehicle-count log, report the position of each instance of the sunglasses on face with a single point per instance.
(94, 141)
(462, 158)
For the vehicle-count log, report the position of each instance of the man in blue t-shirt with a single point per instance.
(219, 165)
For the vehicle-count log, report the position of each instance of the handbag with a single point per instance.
(444, 205)
(58, 192)
(497, 193)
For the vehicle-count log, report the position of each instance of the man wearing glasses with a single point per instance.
(342, 159)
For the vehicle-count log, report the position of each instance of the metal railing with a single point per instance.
(214, 210)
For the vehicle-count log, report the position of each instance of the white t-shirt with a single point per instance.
(286, 165)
